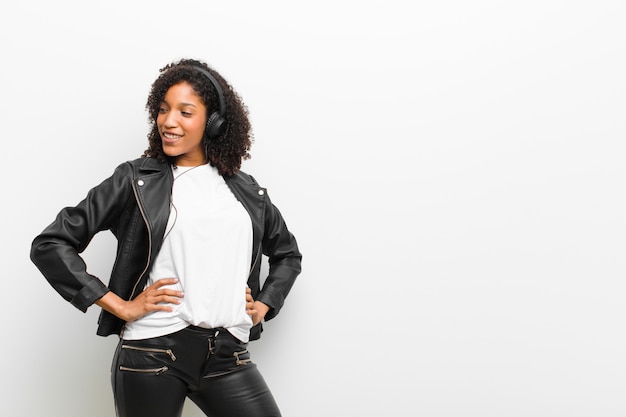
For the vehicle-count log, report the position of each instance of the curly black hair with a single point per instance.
(227, 151)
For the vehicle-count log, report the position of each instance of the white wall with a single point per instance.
(453, 170)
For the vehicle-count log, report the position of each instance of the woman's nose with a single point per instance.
(170, 120)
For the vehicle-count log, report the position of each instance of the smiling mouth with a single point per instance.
(170, 136)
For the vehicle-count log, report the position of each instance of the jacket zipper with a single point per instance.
(256, 258)
(153, 350)
(145, 220)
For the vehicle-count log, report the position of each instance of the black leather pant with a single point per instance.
(152, 377)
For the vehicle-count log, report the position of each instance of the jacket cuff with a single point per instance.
(273, 302)
(89, 294)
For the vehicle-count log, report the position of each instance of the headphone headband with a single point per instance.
(217, 86)
(216, 121)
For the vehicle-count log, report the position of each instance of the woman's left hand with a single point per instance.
(255, 309)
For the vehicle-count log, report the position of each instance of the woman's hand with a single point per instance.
(255, 309)
(153, 298)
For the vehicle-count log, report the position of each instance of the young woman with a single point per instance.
(184, 294)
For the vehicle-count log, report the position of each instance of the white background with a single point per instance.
(453, 171)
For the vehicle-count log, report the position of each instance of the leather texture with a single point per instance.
(152, 377)
(134, 204)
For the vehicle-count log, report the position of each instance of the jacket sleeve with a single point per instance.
(56, 250)
(284, 258)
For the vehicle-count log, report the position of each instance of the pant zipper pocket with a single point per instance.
(151, 350)
(241, 361)
(156, 371)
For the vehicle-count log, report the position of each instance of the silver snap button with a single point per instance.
(140, 183)
(261, 192)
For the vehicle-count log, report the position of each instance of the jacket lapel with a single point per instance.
(153, 188)
(252, 197)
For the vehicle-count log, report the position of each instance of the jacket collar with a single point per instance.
(152, 165)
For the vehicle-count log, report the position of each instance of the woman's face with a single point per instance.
(181, 122)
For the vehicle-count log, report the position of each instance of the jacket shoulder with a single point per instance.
(244, 178)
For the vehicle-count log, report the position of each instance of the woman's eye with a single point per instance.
(185, 113)
(162, 110)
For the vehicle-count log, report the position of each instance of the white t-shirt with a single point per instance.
(208, 247)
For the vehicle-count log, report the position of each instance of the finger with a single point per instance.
(169, 299)
(170, 292)
(160, 300)
(165, 281)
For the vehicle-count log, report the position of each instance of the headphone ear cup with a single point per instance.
(215, 125)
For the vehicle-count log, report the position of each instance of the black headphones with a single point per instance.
(216, 122)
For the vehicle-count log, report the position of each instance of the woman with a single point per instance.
(184, 294)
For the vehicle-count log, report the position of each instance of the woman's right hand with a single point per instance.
(152, 298)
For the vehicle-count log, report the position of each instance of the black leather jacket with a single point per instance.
(134, 204)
